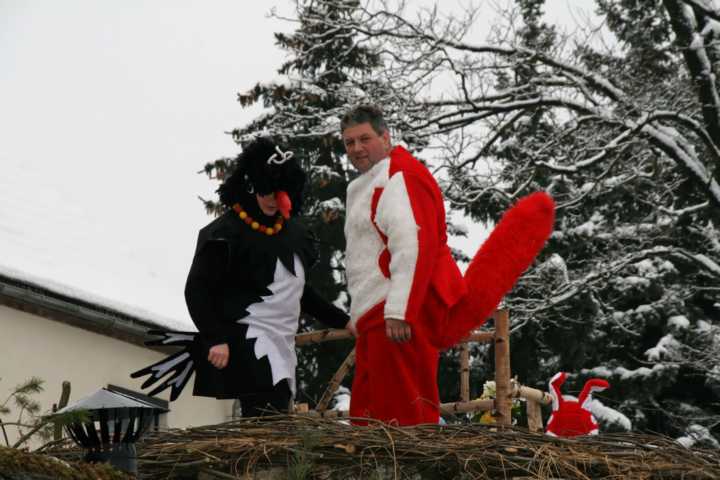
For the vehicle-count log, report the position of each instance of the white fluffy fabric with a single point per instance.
(367, 285)
(396, 220)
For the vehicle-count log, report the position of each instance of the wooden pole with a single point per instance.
(529, 393)
(64, 398)
(301, 408)
(464, 373)
(503, 389)
(480, 337)
(2, 427)
(534, 416)
(466, 407)
(345, 367)
(445, 409)
(320, 336)
(534, 398)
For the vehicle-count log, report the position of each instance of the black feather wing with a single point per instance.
(171, 372)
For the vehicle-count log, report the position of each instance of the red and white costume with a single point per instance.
(570, 417)
(397, 259)
(399, 266)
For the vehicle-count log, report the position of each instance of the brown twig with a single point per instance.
(332, 387)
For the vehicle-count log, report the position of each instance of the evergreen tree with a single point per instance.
(628, 286)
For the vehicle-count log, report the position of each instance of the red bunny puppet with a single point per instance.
(571, 418)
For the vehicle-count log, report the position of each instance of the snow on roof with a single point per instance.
(86, 297)
(56, 234)
(99, 184)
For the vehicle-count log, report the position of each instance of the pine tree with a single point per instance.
(669, 299)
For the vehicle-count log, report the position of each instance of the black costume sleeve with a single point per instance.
(202, 291)
(325, 312)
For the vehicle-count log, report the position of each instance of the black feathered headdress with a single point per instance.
(263, 168)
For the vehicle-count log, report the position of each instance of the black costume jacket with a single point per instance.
(231, 270)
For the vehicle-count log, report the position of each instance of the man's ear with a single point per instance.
(386, 139)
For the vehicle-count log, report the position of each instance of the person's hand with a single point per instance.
(397, 330)
(219, 355)
(351, 328)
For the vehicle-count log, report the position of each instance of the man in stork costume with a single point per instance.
(246, 289)
(408, 297)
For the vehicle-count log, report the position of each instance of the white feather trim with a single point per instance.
(274, 322)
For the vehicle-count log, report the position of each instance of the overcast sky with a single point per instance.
(107, 112)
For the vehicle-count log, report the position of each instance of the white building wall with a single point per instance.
(31, 345)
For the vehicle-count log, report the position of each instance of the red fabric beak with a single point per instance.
(283, 203)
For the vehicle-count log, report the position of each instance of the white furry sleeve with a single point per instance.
(395, 218)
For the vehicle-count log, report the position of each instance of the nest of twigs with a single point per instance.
(20, 465)
(304, 447)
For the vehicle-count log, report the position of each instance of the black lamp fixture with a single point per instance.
(114, 424)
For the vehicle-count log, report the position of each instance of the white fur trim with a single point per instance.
(549, 422)
(589, 399)
(554, 391)
(367, 285)
(395, 219)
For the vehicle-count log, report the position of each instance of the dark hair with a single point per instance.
(364, 114)
(254, 174)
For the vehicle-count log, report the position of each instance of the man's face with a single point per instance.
(364, 146)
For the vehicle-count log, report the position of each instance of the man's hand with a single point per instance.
(219, 355)
(349, 326)
(397, 330)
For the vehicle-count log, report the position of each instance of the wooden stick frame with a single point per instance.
(506, 389)
(332, 387)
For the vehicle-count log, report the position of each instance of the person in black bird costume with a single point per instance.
(245, 291)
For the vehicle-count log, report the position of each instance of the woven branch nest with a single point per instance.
(20, 465)
(321, 448)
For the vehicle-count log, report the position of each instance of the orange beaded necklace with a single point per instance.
(274, 230)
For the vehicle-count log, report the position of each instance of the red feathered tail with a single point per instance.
(501, 260)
